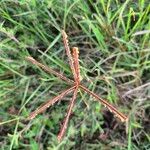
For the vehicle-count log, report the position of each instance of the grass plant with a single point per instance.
(114, 41)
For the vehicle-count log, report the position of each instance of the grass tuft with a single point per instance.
(113, 39)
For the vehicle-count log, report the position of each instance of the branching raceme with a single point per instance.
(74, 65)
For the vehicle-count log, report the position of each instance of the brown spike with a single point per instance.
(47, 69)
(49, 103)
(66, 120)
(66, 45)
(76, 63)
(121, 116)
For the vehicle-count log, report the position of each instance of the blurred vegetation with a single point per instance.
(114, 41)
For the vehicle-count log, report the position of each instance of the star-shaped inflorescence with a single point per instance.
(75, 86)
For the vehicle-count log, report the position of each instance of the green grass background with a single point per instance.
(114, 41)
